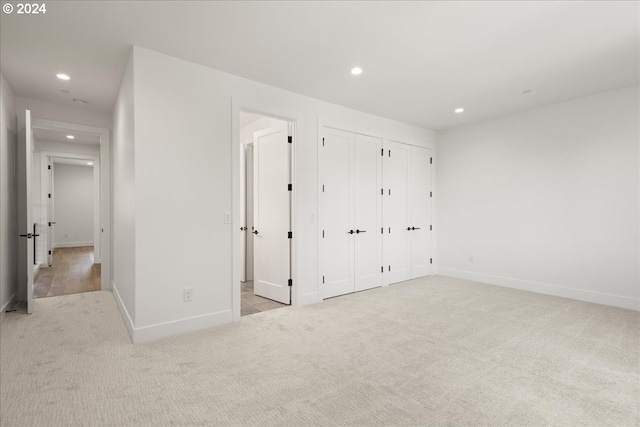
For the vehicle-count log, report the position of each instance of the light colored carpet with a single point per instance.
(433, 351)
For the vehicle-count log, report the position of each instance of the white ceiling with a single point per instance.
(420, 59)
(61, 136)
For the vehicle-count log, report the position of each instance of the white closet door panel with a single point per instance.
(271, 214)
(397, 244)
(367, 203)
(336, 213)
(420, 211)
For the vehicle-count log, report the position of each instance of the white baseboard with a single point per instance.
(3, 313)
(123, 310)
(72, 244)
(309, 298)
(179, 327)
(544, 288)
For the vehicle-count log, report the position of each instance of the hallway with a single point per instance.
(72, 272)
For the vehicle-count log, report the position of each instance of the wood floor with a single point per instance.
(72, 272)
(252, 304)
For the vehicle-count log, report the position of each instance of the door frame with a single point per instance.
(104, 163)
(238, 106)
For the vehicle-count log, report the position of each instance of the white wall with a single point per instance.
(547, 200)
(123, 200)
(64, 113)
(73, 205)
(8, 227)
(66, 147)
(183, 186)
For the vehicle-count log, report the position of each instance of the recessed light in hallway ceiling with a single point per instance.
(458, 110)
(356, 71)
(63, 76)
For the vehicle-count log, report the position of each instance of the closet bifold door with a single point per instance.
(396, 245)
(367, 179)
(335, 211)
(420, 211)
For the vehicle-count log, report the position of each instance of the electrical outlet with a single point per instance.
(188, 295)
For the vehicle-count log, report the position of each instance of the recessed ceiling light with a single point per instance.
(71, 137)
(90, 163)
(356, 71)
(527, 91)
(62, 76)
(458, 110)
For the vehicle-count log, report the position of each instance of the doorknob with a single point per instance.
(350, 231)
(255, 232)
(408, 228)
(28, 235)
(360, 231)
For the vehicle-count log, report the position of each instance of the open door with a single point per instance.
(271, 214)
(25, 213)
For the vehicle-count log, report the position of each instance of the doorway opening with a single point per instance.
(266, 228)
(69, 221)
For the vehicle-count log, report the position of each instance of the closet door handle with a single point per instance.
(415, 228)
(360, 231)
(350, 232)
(255, 232)
(408, 228)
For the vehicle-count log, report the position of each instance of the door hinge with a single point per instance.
(389, 268)
(389, 191)
(49, 195)
(381, 269)
(290, 234)
(323, 234)
(323, 142)
(382, 191)
(430, 160)
(382, 151)
(49, 167)
(389, 153)
(290, 187)
(381, 230)
(322, 279)
(430, 260)
(290, 139)
(323, 188)
(430, 193)
(431, 228)
(290, 282)
(49, 252)
(389, 229)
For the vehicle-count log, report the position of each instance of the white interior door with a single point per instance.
(249, 210)
(367, 212)
(25, 209)
(271, 214)
(336, 254)
(420, 211)
(397, 237)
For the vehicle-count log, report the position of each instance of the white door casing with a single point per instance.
(271, 214)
